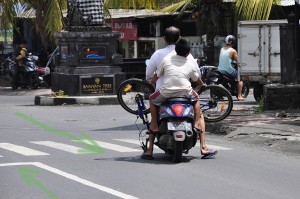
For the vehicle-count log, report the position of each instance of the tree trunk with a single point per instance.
(40, 25)
(210, 40)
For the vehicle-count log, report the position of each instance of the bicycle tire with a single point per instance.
(128, 90)
(216, 103)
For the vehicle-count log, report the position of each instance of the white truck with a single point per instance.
(259, 53)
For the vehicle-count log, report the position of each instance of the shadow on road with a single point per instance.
(159, 158)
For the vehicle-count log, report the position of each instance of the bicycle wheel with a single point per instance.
(129, 89)
(215, 102)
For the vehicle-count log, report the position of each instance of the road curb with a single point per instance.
(46, 100)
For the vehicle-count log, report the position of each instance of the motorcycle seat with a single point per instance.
(227, 76)
(180, 99)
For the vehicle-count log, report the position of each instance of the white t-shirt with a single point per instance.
(154, 62)
(177, 71)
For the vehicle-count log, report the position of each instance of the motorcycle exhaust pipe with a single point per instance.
(189, 133)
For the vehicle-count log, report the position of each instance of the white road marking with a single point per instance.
(60, 146)
(21, 150)
(72, 177)
(114, 147)
(1, 156)
(133, 141)
(220, 148)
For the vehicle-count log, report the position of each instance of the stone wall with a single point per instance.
(281, 96)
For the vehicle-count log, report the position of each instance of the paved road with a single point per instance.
(240, 170)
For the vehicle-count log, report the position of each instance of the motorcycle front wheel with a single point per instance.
(129, 90)
(245, 89)
(215, 102)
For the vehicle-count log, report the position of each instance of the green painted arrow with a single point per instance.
(90, 146)
(27, 175)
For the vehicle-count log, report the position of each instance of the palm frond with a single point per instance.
(254, 9)
(9, 12)
(53, 16)
(178, 7)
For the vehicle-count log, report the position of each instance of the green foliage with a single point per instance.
(261, 106)
(135, 4)
(254, 9)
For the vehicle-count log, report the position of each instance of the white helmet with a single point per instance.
(230, 39)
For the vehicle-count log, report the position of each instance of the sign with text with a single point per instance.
(127, 29)
(96, 85)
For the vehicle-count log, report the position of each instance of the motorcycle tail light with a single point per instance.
(178, 136)
(169, 111)
(187, 111)
(40, 70)
(178, 109)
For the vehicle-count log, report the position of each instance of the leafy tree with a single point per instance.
(209, 12)
(49, 18)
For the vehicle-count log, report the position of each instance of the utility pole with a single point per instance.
(297, 47)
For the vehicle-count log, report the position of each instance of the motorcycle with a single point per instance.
(6, 69)
(44, 76)
(176, 133)
(28, 75)
(211, 75)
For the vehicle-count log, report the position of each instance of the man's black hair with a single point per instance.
(172, 34)
(182, 47)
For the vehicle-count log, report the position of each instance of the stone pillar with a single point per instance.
(88, 63)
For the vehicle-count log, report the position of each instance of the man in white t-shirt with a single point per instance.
(172, 34)
(177, 71)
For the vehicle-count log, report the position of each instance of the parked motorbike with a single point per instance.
(6, 69)
(176, 133)
(44, 76)
(211, 75)
(28, 75)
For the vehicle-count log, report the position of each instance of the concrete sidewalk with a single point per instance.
(279, 130)
(44, 97)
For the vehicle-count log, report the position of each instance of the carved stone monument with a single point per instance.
(87, 63)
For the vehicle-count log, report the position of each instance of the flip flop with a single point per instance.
(210, 154)
(147, 157)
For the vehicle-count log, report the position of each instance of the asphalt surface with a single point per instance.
(276, 129)
(248, 165)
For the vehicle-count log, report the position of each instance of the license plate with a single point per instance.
(181, 126)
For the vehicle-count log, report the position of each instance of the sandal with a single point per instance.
(147, 157)
(209, 154)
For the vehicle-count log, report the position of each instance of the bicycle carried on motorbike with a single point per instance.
(176, 133)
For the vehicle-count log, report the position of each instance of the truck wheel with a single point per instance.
(258, 92)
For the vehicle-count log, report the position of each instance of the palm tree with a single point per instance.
(49, 18)
(48, 15)
(209, 12)
(254, 9)
(8, 11)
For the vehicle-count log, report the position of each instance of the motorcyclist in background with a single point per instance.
(20, 53)
(227, 55)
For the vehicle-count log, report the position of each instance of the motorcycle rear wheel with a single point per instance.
(129, 89)
(215, 102)
(177, 157)
(245, 89)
